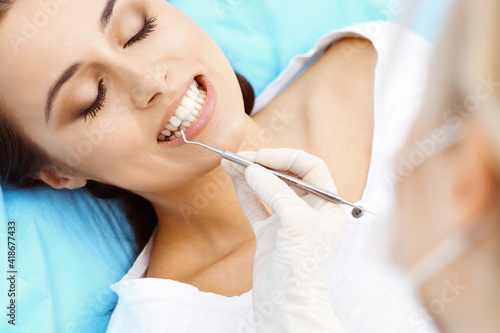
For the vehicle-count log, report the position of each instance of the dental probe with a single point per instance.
(357, 211)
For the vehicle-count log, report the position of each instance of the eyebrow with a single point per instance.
(106, 13)
(71, 70)
(65, 76)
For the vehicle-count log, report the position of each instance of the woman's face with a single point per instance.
(94, 82)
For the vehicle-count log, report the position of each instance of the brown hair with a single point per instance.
(21, 157)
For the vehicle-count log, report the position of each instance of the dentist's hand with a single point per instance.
(296, 246)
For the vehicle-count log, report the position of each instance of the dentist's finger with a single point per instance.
(236, 170)
(255, 211)
(272, 190)
(253, 207)
(310, 168)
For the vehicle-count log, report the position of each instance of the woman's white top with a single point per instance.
(366, 295)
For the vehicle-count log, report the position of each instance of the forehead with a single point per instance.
(38, 40)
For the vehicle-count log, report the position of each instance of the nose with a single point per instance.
(142, 83)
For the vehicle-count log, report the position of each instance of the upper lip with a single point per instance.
(174, 104)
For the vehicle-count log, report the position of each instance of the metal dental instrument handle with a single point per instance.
(357, 211)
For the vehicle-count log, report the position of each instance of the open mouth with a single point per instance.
(186, 114)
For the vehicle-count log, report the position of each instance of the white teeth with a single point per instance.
(187, 113)
(171, 127)
(188, 103)
(193, 95)
(175, 121)
(182, 113)
(166, 132)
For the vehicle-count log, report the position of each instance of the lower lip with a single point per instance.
(201, 121)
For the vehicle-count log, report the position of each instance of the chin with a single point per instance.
(230, 132)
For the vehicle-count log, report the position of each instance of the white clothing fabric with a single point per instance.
(366, 296)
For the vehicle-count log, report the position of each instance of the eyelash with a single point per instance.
(148, 28)
(98, 104)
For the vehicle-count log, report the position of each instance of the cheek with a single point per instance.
(91, 148)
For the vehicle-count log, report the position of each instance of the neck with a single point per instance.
(206, 212)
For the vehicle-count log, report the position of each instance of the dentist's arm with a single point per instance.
(296, 245)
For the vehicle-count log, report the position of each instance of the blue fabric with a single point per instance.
(70, 246)
(260, 37)
(428, 21)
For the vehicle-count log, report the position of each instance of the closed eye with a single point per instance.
(148, 28)
(92, 111)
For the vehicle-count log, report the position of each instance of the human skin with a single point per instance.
(332, 119)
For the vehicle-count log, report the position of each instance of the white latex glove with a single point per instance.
(296, 246)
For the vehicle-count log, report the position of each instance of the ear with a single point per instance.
(476, 184)
(59, 179)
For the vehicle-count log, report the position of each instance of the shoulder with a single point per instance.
(354, 40)
(346, 53)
